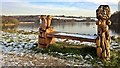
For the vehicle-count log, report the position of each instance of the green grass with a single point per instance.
(21, 32)
(118, 39)
(67, 49)
(114, 60)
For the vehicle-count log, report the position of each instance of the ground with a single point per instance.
(19, 48)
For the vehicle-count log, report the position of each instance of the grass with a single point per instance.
(64, 48)
(113, 63)
(21, 32)
(118, 39)
(68, 49)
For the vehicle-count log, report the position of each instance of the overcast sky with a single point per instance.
(55, 7)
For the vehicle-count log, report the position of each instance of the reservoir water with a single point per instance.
(73, 27)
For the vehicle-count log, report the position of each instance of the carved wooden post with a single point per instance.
(103, 39)
(43, 40)
(50, 40)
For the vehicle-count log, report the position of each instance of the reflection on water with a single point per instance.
(28, 26)
(13, 27)
(74, 27)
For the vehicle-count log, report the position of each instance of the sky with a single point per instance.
(55, 7)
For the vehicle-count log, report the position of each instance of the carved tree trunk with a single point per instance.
(103, 40)
(43, 40)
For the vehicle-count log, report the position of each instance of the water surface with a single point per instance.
(73, 27)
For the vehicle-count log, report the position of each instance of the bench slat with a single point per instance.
(72, 36)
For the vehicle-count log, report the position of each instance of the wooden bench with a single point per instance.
(47, 34)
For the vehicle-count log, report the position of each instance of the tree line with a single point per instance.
(115, 19)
